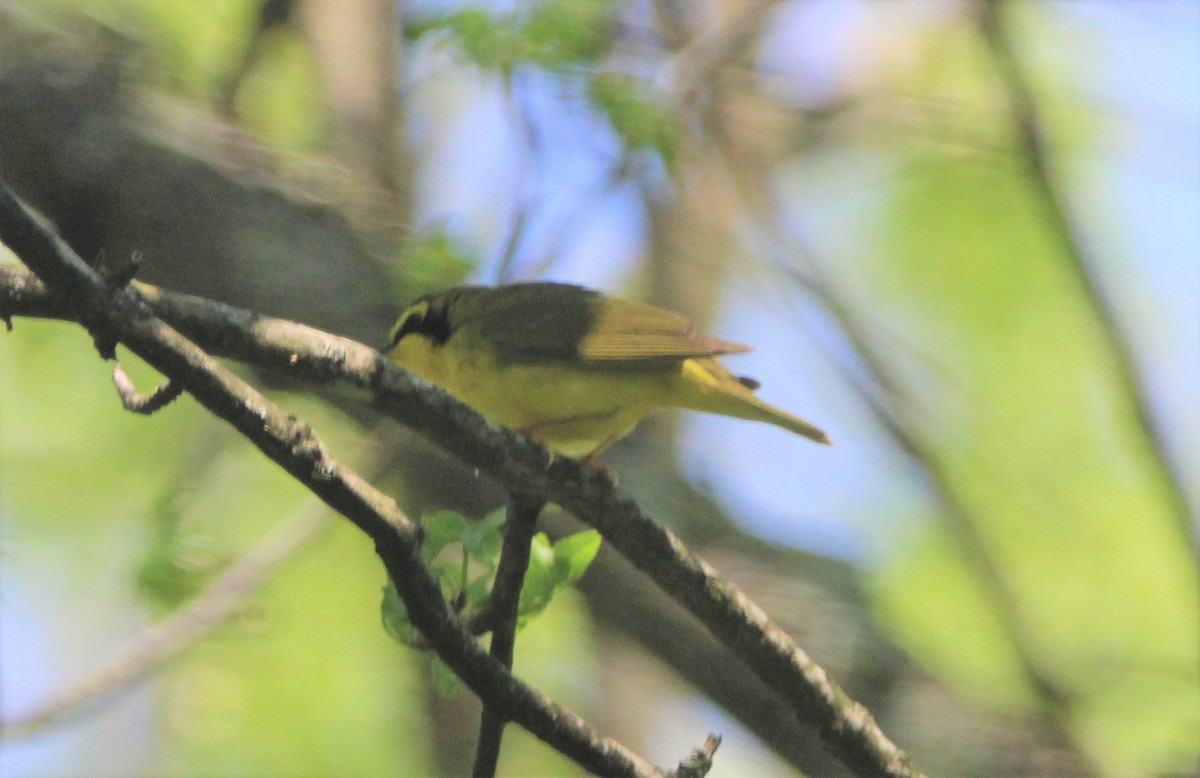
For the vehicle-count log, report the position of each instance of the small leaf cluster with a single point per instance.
(569, 38)
(464, 555)
(552, 34)
(634, 113)
(554, 567)
(433, 261)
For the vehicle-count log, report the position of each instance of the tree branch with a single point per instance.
(121, 313)
(148, 403)
(523, 512)
(518, 463)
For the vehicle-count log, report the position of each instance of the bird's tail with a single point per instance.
(716, 390)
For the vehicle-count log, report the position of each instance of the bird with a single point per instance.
(572, 367)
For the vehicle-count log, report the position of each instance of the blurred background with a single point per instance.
(963, 237)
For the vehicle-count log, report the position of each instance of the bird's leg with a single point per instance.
(589, 458)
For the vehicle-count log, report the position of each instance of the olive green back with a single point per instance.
(563, 323)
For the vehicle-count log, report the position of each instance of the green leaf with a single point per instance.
(640, 120)
(573, 555)
(476, 595)
(539, 585)
(564, 32)
(491, 42)
(483, 540)
(449, 575)
(441, 529)
(394, 615)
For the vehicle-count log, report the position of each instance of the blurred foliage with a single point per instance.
(430, 262)
(312, 665)
(990, 346)
(635, 115)
(280, 99)
(565, 36)
(1012, 381)
(177, 564)
(551, 34)
(189, 47)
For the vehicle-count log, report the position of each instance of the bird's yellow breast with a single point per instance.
(572, 409)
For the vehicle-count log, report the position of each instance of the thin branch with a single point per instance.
(521, 465)
(292, 445)
(506, 596)
(700, 760)
(145, 404)
(1060, 222)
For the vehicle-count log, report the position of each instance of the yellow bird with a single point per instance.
(571, 367)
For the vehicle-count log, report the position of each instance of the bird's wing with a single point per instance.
(551, 323)
(625, 331)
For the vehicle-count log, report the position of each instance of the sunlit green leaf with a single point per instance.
(538, 588)
(573, 555)
(483, 540)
